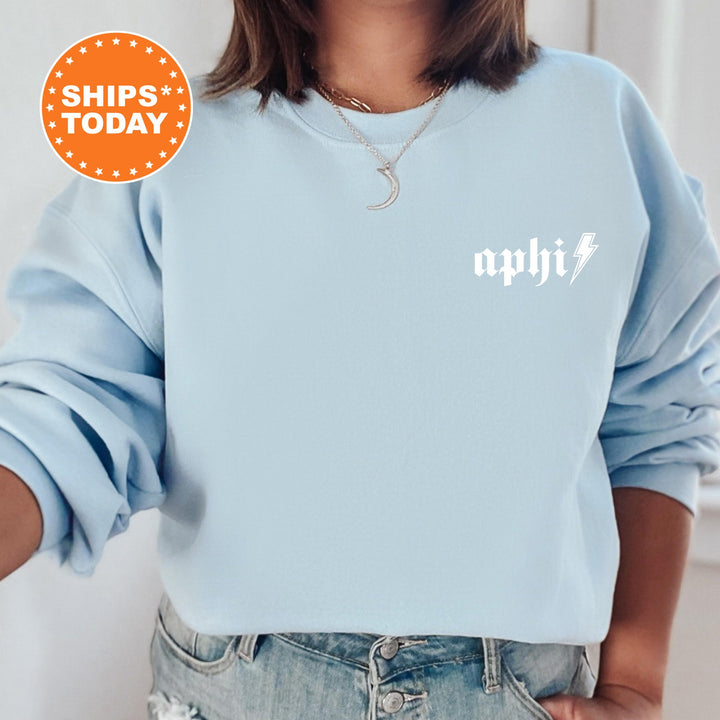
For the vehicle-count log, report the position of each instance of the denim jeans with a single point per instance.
(355, 676)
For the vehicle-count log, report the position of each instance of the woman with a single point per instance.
(419, 435)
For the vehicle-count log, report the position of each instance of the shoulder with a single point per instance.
(215, 123)
(578, 67)
(575, 78)
(234, 102)
(583, 87)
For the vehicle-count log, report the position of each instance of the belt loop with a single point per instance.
(163, 604)
(491, 663)
(246, 646)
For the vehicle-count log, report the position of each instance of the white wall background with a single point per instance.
(74, 647)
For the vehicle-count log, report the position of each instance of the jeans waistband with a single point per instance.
(405, 651)
(369, 651)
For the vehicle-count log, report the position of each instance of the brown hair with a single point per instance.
(481, 40)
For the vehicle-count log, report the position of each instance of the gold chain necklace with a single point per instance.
(363, 106)
(359, 104)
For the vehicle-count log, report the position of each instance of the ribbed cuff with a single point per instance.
(16, 456)
(678, 480)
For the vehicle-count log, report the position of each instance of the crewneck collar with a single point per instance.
(385, 128)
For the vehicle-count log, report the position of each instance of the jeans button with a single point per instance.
(393, 701)
(389, 648)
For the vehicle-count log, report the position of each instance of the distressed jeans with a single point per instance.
(355, 676)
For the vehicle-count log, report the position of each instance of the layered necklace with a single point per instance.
(387, 169)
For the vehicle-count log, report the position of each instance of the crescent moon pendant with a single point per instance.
(394, 189)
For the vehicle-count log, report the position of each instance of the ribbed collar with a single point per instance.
(378, 128)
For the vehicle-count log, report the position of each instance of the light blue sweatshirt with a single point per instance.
(397, 421)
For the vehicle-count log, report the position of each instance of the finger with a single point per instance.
(562, 706)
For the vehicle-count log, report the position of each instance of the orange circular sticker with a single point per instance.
(116, 107)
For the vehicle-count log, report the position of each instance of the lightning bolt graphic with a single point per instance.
(583, 252)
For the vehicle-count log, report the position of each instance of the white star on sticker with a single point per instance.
(69, 60)
(180, 90)
(58, 73)
(162, 61)
(48, 107)
(148, 164)
(173, 141)
(51, 90)
(162, 153)
(98, 43)
(83, 164)
(148, 49)
(116, 173)
(116, 42)
(51, 124)
(173, 74)
(58, 141)
(133, 171)
(181, 107)
(98, 171)
(179, 124)
(68, 153)
(83, 50)
(133, 43)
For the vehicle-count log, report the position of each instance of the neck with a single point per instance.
(374, 49)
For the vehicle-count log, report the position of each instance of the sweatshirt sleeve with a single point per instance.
(660, 429)
(82, 413)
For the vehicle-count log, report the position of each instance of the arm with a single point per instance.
(654, 534)
(82, 407)
(654, 531)
(660, 433)
(20, 522)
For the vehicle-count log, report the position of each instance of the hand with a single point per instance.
(609, 702)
